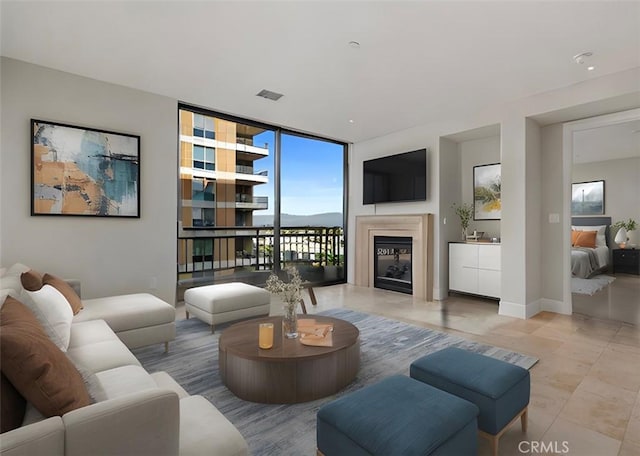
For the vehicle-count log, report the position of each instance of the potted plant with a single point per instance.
(291, 294)
(630, 227)
(464, 211)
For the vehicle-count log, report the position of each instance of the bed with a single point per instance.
(588, 261)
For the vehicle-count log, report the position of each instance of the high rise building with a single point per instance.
(218, 174)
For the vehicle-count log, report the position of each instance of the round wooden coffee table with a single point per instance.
(289, 372)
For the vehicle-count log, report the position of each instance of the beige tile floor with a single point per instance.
(585, 388)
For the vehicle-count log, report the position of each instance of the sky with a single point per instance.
(312, 175)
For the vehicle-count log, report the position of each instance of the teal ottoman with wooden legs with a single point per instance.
(398, 416)
(499, 389)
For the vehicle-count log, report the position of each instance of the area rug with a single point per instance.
(590, 286)
(387, 347)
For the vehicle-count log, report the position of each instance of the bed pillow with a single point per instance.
(40, 372)
(586, 239)
(574, 237)
(601, 240)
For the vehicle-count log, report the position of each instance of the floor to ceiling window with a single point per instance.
(254, 198)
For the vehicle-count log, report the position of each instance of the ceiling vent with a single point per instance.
(269, 95)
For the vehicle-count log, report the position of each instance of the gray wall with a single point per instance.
(109, 255)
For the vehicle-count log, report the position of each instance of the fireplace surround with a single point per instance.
(419, 227)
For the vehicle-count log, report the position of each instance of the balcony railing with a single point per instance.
(244, 169)
(251, 202)
(245, 250)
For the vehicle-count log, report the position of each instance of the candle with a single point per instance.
(265, 335)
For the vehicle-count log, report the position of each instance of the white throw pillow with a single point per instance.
(25, 298)
(601, 240)
(55, 311)
(11, 277)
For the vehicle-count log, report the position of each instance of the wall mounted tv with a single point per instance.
(400, 177)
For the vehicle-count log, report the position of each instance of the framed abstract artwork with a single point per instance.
(486, 192)
(587, 198)
(84, 171)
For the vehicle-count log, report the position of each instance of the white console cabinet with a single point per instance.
(475, 268)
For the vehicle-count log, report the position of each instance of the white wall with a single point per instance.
(552, 204)
(520, 297)
(535, 219)
(109, 255)
(476, 152)
(448, 222)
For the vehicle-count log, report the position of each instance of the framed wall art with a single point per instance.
(486, 192)
(84, 171)
(587, 198)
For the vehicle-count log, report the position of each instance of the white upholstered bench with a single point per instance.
(215, 304)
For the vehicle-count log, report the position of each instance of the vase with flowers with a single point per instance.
(291, 293)
(464, 211)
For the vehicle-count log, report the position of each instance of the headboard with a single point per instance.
(591, 221)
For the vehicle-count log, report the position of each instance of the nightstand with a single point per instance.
(626, 260)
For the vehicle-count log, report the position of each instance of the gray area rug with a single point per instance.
(387, 347)
(590, 286)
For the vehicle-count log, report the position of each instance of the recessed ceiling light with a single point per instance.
(591, 68)
(350, 120)
(354, 44)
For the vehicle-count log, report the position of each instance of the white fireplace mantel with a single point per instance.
(419, 227)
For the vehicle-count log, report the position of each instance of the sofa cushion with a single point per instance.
(123, 380)
(204, 430)
(55, 312)
(67, 291)
(126, 312)
(38, 369)
(13, 406)
(31, 280)
(96, 347)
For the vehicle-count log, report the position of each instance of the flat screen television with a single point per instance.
(400, 177)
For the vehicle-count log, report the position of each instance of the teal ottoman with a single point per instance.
(397, 416)
(500, 389)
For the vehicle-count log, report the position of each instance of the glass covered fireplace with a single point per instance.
(392, 263)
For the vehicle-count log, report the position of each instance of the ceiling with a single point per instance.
(612, 142)
(418, 62)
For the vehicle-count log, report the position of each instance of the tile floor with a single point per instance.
(585, 389)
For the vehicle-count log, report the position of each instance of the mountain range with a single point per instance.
(289, 220)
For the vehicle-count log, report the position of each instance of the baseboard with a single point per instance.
(437, 296)
(552, 305)
(513, 309)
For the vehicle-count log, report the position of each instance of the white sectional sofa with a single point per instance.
(133, 412)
